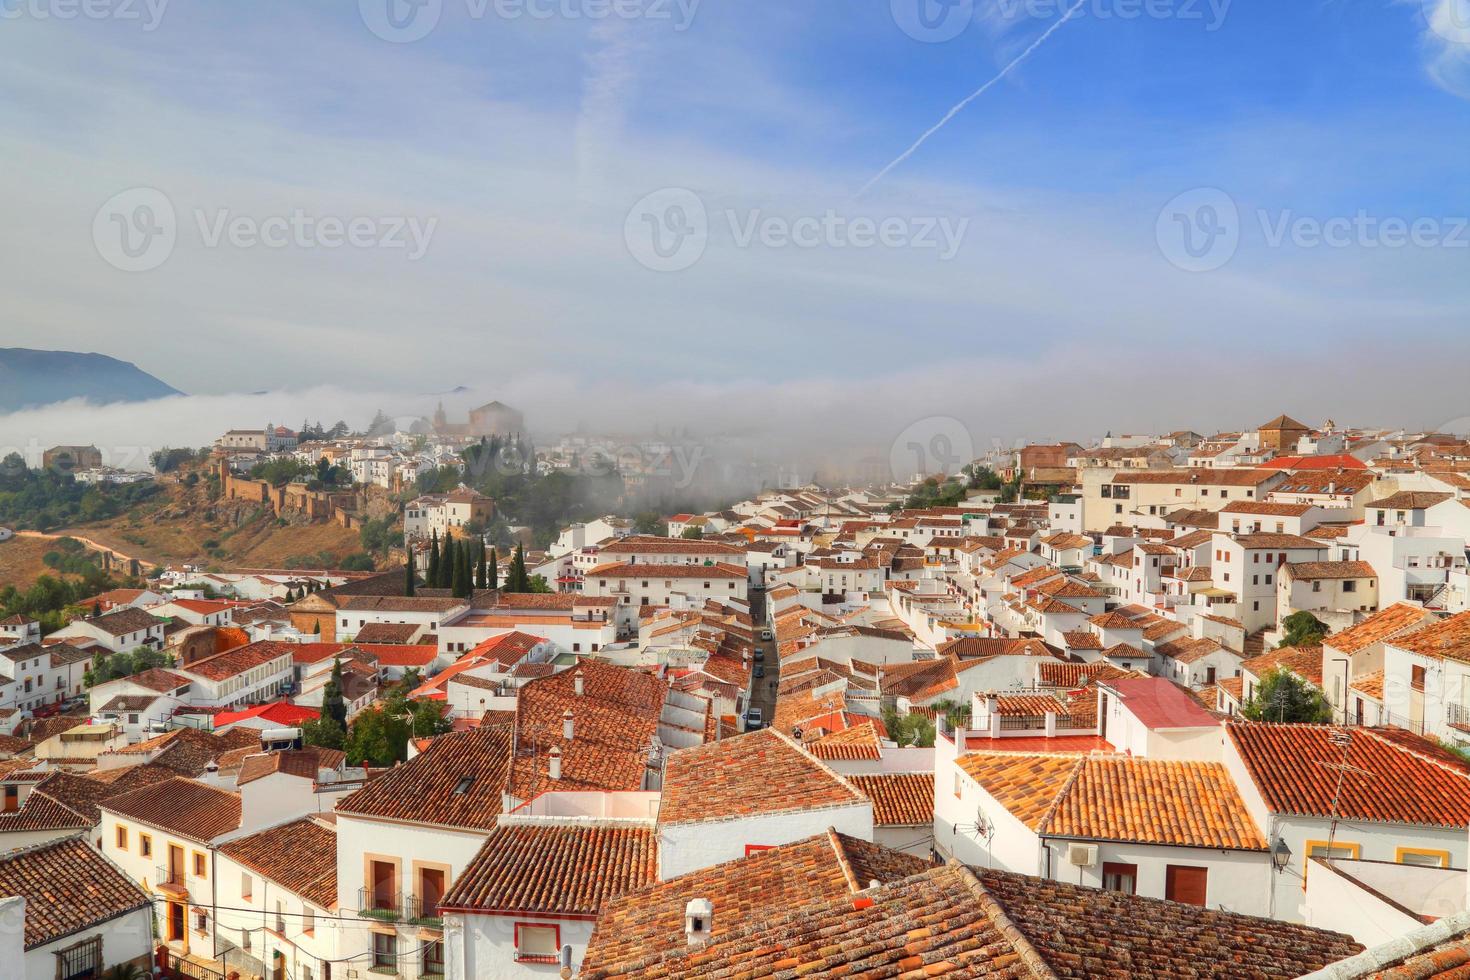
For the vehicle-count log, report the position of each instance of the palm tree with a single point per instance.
(124, 971)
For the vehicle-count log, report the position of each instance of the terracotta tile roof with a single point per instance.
(125, 621)
(160, 680)
(560, 868)
(1296, 659)
(1161, 629)
(971, 647)
(305, 763)
(1066, 588)
(651, 571)
(1398, 618)
(386, 633)
(902, 799)
(918, 680)
(1259, 541)
(1266, 508)
(1412, 781)
(614, 722)
(232, 663)
(1370, 684)
(857, 742)
(1081, 640)
(1232, 686)
(1411, 500)
(1306, 571)
(1448, 639)
(1026, 785)
(300, 856)
(1086, 933)
(1234, 477)
(42, 812)
(757, 773)
(1075, 674)
(182, 806)
(456, 782)
(818, 869)
(68, 887)
(401, 603)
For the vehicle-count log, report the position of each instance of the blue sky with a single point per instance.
(527, 141)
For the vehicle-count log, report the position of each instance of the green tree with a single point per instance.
(1284, 697)
(408, 575)
(433, 579)
(693, 533)
(333, 707)
(323, 732)
(1302, 630)
(492, 570)
(909, 730)
(538, 583)
(377, 738)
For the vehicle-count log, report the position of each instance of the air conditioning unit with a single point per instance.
(1082, 855)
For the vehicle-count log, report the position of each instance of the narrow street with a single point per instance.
(763, 689)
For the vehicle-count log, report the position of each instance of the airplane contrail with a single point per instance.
(1072, 10)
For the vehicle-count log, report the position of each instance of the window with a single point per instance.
(1343, 850)
(245, 886)
(145, 845)
(1416, 678)
(84, 960)
(1349, 586)
(280, 923)
(385, 951)
(12, 800)
(1316, 586)
(433, 964)
(956, 785)
(200, 865)
(537, 944)
(752, 848)
(1120, 877)
(122, 838)
(1186, 884)
(1422, 857)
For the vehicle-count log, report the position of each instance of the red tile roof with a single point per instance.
(182, 806)
(756, 773)
(567, 869)
(300, 856)
(456, 782)
(1160, 705)
(1412, 780)
(68, 887)
(903, 799)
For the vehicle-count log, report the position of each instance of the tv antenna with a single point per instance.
(1343, 739)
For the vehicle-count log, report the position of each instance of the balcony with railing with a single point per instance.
(423, 911)
(375, 903)
(171, 880)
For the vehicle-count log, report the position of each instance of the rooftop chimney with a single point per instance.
(566, 724)
(578, 685)
(699, 917)
(555, 763)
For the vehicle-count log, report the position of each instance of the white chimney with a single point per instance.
(578, 685)
(699, 917)
(555, 763)
(566, 724)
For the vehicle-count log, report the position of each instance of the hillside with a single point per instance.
(31, 378)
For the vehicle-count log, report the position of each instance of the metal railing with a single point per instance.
(422, 911)
(375, 904)
(170, 876)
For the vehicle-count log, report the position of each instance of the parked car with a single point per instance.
(754, 718)
(766, 635)
(760, 670)
(760, 655)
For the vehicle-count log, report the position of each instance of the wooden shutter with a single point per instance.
(1185, 884)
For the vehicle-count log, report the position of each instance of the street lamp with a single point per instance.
(1280, 854)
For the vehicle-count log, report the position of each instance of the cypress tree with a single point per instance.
(446, 564)
(492, 572)
(480, 568)
(433, 577)
(408, 573)
(467, 559)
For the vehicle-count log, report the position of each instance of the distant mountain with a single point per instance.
(31, 378)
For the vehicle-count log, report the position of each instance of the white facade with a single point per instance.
(687, 847)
